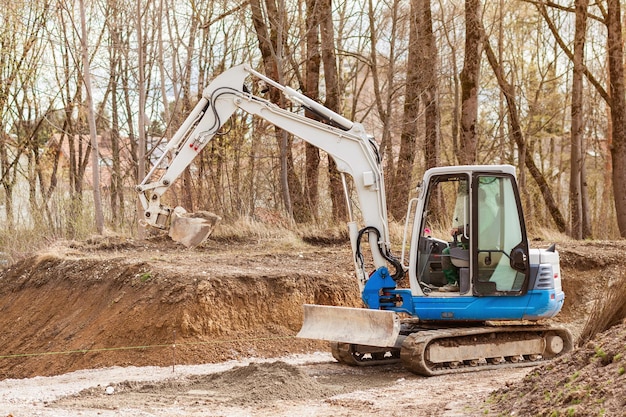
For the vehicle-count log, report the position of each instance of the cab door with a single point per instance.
(500, 263)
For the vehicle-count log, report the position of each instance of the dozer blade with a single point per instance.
(359, 326)
(191, 229)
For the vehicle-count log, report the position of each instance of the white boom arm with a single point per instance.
(354, 152)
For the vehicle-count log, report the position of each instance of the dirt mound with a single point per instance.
(590, 381)
(127, 303)
(260, 382)
(256, 383)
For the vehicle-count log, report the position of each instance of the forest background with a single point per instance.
(106, 83)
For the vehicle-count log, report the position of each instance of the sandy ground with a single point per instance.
(302, 385)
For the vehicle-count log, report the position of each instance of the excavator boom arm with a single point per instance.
(354, 152)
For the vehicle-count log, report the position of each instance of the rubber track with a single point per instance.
(414, 347)
(413, 351)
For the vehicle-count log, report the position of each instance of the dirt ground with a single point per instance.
(218, 323)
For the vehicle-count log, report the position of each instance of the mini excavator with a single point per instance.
(477, 295)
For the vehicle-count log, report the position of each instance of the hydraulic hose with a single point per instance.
(399, 270)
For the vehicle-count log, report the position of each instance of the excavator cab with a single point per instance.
(469, 231)
(471, 234)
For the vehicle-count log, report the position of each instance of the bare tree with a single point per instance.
(20, 53)
(618, 109)
(518, 136)
(270, 25)
(331, 77)
(271, 53)
(614, 99)
(469, 82)
(93, 135)
(113, 23)
(427, 64)
(141, 116)
(311, 89)
(383, 73)
(577, 214)
(74, 126)
(421, 82)
(383, 86)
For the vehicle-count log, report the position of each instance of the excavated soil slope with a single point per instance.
(114, 301)
(120, 302)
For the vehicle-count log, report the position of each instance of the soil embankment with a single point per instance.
(114, 302)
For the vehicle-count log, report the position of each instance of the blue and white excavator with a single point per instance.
(477, 294)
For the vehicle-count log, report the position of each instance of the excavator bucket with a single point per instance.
(359, 326)
(191, 229)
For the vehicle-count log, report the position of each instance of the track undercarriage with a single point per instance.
(436, 351)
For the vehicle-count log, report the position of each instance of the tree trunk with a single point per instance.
(270, 64)
(469, 83)
(618, 110)
(385, 140)
(401, 184)
(93, 135)
(429, 86)
(339, 203)
(117, 181)
(6, 180)
(606, 204)
(421, 80)
(141, 122)
(503, 143)
(577, 126)
(311, 89)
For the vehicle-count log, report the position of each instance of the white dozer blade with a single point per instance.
(359, 326)
(191, 229)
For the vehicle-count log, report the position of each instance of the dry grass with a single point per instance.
(324, 235)
(548, 235)
(608, 310)
(247, 229)
(18, 244)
